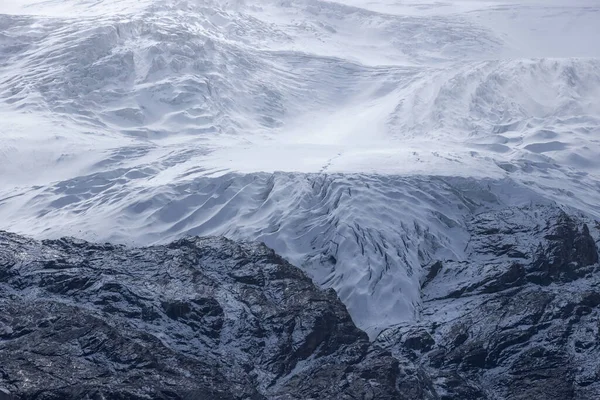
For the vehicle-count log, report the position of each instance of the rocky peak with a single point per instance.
(567, 249)
(197, 319)
(517, 320)
(213, 318)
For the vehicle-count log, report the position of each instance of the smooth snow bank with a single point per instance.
(72, 8)
(239, 85)
(451, 122)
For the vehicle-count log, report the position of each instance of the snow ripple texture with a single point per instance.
(354, 138)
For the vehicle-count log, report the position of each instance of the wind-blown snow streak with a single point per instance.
(142, 121)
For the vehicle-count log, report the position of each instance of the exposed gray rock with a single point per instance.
(518, 320)
(217, 319)
(197, 319)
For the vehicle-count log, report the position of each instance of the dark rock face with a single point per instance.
(198, 319)
(516, 319)
(568, 251)
(520, 319)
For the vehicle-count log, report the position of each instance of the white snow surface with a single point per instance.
(353, 137)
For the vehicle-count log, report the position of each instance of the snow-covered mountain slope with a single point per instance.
(393, 123)
(365, 236)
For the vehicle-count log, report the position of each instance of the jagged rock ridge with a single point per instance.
(197, 319)
(213, 318)
(517, 320)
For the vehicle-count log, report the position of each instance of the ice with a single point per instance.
(355, 138)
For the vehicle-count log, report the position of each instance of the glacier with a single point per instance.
(357, 139)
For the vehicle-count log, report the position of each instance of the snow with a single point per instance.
(355, 138)
(365, 236)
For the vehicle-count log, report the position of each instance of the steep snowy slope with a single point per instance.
(365, 236)
(391, 124)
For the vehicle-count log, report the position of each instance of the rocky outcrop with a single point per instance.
(215, 319)
(197, 319)
(517, 320)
